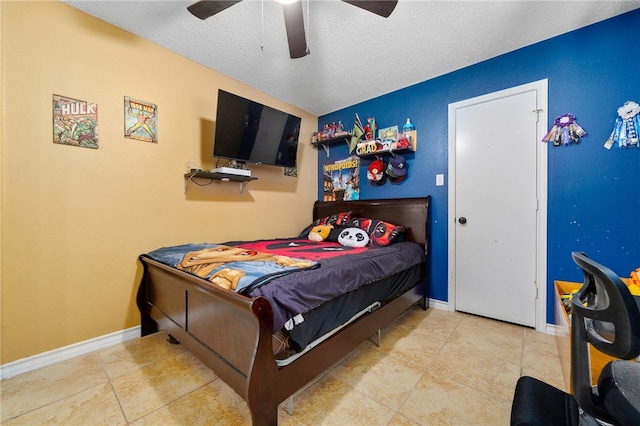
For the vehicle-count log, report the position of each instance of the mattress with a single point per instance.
(335, 283)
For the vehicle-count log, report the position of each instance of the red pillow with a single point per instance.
(380, 233)
(335, 219)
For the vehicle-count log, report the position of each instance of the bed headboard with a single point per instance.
(412, 213)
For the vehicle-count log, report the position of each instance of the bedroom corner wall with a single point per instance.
(75, 219)
(593, 193)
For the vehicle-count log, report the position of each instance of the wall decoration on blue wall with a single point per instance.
(342, 179)
(565, 130)
(625, 131)
(583, 185)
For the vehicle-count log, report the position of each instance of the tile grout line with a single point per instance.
(113, 389)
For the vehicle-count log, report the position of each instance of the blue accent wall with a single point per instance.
(593, 194)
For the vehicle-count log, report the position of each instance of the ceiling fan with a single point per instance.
(293, 17)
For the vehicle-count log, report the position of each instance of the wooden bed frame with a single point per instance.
(199, 316)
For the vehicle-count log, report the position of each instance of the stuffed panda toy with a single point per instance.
(353, 237)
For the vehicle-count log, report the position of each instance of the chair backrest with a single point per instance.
(604, 314)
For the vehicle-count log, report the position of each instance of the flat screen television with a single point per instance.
(249, 132)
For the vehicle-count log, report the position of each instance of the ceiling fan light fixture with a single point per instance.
(293, 17)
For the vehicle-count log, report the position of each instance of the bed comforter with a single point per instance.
(324, 271)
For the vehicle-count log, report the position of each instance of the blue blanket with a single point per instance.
(232, 268)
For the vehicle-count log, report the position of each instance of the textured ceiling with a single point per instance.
(355, 55)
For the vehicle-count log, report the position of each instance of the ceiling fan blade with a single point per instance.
(294, 23)
(379, 7)
(207, 8)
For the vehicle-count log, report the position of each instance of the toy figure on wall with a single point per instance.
(75, 122)
(625, 131)
(370, 129)
(564, 131)
(140, 120)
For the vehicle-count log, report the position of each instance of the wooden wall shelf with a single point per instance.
(326, 143)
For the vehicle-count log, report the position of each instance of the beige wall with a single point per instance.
(74, 219)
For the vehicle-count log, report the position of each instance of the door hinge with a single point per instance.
(537, 111)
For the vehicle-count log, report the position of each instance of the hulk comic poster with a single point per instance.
(140, 120)
(75, 122)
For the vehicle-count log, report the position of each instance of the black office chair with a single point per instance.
(606, 315)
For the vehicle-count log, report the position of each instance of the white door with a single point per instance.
(495, 199)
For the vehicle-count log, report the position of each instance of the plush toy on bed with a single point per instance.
(353, 237)
(320, 232)
(325, 232)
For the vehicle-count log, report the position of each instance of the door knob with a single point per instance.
(462, 220)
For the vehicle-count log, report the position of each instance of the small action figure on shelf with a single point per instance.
(329, 131)
(370, 128)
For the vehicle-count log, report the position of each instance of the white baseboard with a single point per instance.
(555, 329)
(438, 304)
(34, 362)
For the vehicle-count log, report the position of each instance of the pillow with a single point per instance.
(353, 237)
(336, 230)
(326, 233)
(335, 219)
(380, 233)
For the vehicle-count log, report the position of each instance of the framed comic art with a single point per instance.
(140, 120)
(75, 122)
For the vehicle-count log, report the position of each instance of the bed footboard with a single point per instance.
(197, 315)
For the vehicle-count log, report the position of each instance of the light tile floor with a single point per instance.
(432, 368)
